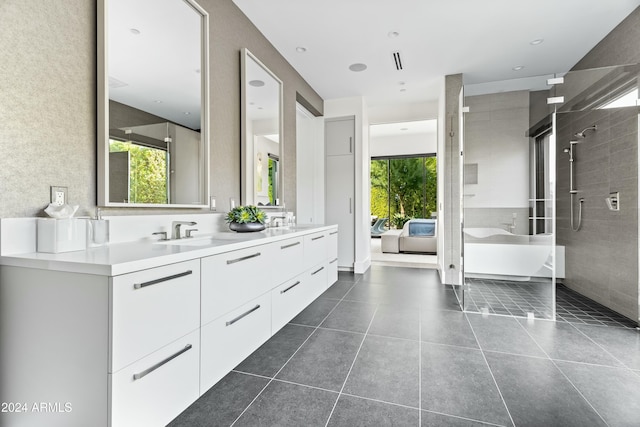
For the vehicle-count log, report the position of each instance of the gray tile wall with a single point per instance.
(48, 102)
(602, 258)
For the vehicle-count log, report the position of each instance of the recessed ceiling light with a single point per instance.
(401, 83)
(404, 128)
(358, 67)
(256, 83)
(157, 101)
(536, 42)
(403, 90)
(301, 49)
(393, 34)
(518, 67)
(186, 113)
(197, 70)
(134, 31)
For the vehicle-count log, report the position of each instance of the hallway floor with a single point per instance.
(391, 348)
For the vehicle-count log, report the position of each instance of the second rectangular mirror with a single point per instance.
(261, 134)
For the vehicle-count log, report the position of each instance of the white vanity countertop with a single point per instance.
(122, 258)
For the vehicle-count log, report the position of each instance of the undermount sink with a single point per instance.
(211, 239)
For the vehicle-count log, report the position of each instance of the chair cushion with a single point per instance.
(422, 228)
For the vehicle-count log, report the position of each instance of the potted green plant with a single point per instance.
(246, 218)
(399, 220)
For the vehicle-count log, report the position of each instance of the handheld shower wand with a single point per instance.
(572, 190)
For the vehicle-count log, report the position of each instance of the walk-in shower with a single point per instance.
(571, 150)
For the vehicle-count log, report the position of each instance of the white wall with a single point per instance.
(356, 106)
(419, 143)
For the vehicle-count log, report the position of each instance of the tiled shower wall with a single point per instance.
(601, 258)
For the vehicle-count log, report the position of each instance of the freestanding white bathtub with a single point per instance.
(498, 254)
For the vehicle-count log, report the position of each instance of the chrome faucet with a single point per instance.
(175, 225)
(272, 219)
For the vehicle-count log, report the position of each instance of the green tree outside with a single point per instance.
(403, 187)
(147, 172)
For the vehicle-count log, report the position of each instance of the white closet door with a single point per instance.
(340, 207)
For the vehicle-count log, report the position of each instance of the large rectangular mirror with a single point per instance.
(153, 104)
(261, 134)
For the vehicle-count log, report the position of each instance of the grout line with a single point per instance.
(600, 346)
(291, 357)
(351, 367)
(490, 371)
(562, 372)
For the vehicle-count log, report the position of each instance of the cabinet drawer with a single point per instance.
(332, 245)
(156, 389)
(315, 248)
(318, 278)
(289, 299)
(332, 271)
(152, 308)
(227, 341)
(233, 278)
(289, 260)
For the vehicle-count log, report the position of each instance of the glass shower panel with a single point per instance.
(508, 198)
(597, 192)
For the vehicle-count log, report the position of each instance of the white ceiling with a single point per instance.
(484, 40)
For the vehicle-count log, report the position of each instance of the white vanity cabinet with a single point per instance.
(125, 341)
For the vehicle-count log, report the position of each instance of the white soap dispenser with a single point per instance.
(98, 230)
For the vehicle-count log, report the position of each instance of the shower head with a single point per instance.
(582, 135)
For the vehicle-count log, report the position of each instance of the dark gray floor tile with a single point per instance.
(402, 275)
(496, 333)
(345, 276)
(622, 343)
(396, 322)
(285, 405)
(537, 394)
(439, 299)
(352, 411)
(337, 290)
(447, 327)
(272, 355)
(324, 360)
(613, 392)
(406, 295)
(315, 313)
(386, 369)
(457, 381)
(222, 403)
(564, 342)
(350, 316)
(431, 419)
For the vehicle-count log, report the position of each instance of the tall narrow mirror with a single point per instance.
(261, 132)
(153, 133)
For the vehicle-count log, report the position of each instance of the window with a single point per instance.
(403, 188)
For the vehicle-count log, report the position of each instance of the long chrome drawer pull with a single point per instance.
(232, 261)
(246, 313)
(159, 364)
(333, 232)
(162, 279)
(316, 238)
(331, 262)
(317, 271)
(290, 287)
(289, 245)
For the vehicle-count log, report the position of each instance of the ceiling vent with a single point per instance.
(397, 60)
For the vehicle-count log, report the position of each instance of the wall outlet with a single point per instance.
(59, 195)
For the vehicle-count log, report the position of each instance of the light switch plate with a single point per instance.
(59, 195)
